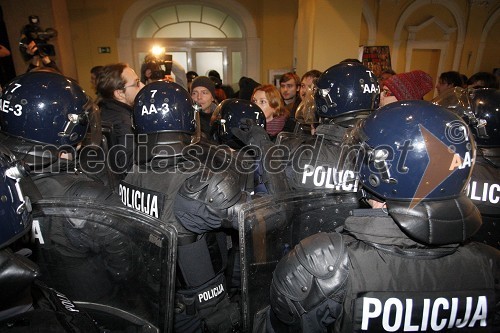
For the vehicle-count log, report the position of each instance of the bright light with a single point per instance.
(158, 51)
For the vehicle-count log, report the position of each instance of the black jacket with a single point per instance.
(372, 265)
(117, 126)
(314, 162)
(484, 191)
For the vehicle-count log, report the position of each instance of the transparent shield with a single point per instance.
(117, 264)
(456, 100)
(271, 226)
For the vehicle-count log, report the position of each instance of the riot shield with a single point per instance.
(117, 264)
(269, 227)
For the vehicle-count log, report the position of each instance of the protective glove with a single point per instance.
(250, 133)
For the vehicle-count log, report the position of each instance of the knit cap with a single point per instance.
(204, 81)
(411, 85)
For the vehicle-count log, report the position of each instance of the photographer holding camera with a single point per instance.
(158, 67)
(34, 47)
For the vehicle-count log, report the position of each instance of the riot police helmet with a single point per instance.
(46, 111)
(480, 108)
(484, 116)
(346, 89)
(15, 206)
(45, 107)
(417, 157)
(235, 113)
(165, 120)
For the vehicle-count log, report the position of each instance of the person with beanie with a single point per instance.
(406, 86)
(203, 94)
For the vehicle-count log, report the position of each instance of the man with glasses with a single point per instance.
(116, 88)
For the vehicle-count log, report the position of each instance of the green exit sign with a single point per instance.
(104, 49)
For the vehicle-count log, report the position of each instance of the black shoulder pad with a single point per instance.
(220, 190)
(316, 269)
(16, 277)
(321, 264)
(291, 140)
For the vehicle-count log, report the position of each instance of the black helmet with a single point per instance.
(15, 207)
(45, 107)
(401, 138)
(346, 88)
(484, 119)
(480, 108)
(44, 113)
(235, 113)
(165, 119)
(418, 158)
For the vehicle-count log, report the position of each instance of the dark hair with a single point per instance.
(464, 79)
(110, 80)
(216, 81)
(96, 70)
(290, 76)
(213, 72)
(452, 77)
(246, 85)
(483, 80)
(191, 75)
(314, 73)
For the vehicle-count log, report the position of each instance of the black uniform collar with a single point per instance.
(376, 228)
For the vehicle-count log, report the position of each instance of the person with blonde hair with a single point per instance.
(268, 98)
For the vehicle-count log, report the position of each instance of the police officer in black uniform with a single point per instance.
(484, 186)
(479, 108)
(239, 116)
(27, 304)
(45, 118)
(345, 92)
(407, 265)
(191, 185)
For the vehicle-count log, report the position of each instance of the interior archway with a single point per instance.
(232, 48)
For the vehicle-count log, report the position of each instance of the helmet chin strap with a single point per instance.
(368, 198)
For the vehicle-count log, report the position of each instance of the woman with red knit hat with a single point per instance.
(406, 86)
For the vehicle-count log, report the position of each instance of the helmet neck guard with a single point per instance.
(438, 222)
(161, 145)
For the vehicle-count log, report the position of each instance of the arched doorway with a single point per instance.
(200, 36)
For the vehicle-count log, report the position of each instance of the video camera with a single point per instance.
(33, 32)
(160, 66)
